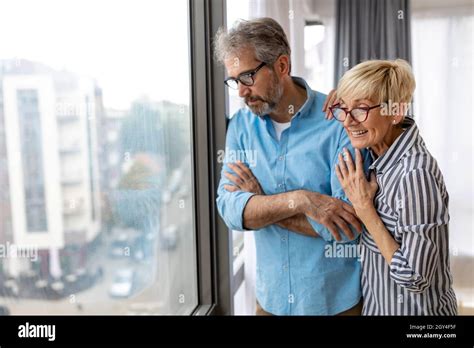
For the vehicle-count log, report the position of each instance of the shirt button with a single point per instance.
(285, 266)
(281, 185)
(283, 239)
(281, 158)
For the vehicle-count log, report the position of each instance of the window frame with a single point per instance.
(208, 101)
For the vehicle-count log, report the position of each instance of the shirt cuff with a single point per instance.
(236, 210)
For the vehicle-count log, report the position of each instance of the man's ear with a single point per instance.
(282, 65)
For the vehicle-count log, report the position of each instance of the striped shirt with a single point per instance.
(412, 202)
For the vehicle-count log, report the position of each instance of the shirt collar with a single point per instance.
(395, 152)
(310, 96)
(305, 109)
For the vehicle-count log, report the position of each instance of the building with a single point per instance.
(49, 169)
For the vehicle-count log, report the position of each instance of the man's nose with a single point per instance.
(244, 90)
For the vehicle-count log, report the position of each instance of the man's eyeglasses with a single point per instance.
(358, 114)
(246, 78)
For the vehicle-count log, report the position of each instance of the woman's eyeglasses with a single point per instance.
(358, 114)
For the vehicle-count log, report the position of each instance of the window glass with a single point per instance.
(96, 199)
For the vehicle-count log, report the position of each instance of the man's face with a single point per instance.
(265, 94)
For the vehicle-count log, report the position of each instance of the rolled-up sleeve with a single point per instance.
(231, 205)
(422, 220)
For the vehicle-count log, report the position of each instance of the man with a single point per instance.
(289, 195)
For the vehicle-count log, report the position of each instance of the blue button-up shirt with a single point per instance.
(296, 274)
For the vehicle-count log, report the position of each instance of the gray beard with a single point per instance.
(271, 101)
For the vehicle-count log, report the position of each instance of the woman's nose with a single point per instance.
(349, 121)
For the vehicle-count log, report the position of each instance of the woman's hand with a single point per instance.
(330, 101)
(360, 192)
(244, 181)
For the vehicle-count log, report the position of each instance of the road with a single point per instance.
(167, 280)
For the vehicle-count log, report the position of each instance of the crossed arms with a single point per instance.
(290, 210)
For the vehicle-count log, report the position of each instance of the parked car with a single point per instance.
(117, 247)
(123, 283)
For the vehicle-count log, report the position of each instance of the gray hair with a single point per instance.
(262, 35)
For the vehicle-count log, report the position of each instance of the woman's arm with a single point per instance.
(375, 226)
(422, 222)
(361, 193)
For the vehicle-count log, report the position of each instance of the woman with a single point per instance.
(404, 205)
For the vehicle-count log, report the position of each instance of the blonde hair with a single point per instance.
(382, 81)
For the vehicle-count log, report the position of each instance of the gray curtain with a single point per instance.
(371, 29)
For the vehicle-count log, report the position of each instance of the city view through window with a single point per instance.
(96, 199)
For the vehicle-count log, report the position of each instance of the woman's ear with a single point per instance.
(399, 112)
(398, 119)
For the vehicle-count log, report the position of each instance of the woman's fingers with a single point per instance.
(339, 174)
(373, 177)
(359, 163)
(348, 160)
(330, 99)
(373, 180)
(342, 166)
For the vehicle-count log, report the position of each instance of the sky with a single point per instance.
(132, 48)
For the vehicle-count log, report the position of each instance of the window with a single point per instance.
(315, 55)
(32, 160)
(97, 202)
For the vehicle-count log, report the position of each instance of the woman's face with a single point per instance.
(376, 132)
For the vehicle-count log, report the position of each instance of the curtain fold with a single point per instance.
(371, 29)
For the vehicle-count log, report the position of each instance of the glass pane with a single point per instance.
(96, 199)
(316, 57)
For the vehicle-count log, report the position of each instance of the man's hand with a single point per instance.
(244, 180)
(330, 100)
(331, 212)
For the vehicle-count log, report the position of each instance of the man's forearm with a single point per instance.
(264, 210)
(299, 224)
